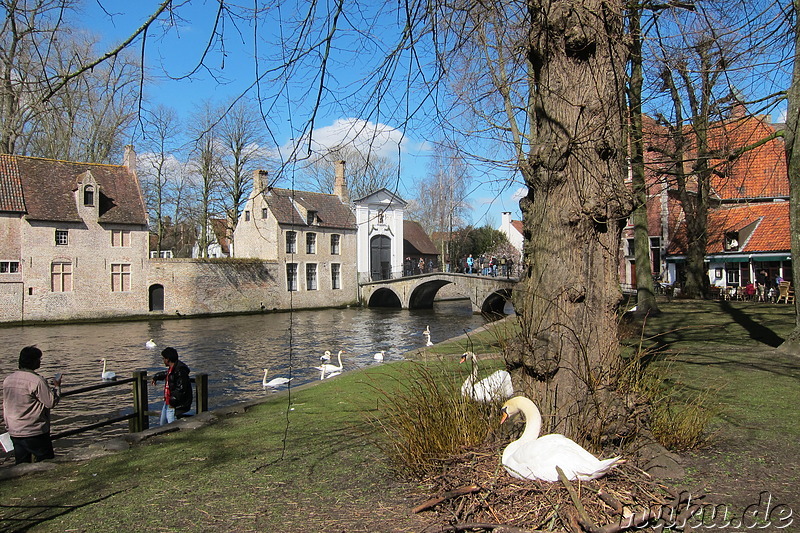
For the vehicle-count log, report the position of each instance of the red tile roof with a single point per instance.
(44, 190)
(414, 235)
(770, 234)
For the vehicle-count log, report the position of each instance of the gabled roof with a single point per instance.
(770, 231)
(517, 225)
(43, 189)
(220, 228)
(382, 196)
(414, 235)
(331, 212)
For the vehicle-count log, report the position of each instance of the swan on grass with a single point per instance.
(379, 356)
(535, 457)
(107, 375)
(328, 368)
(150, 345)
(496, 386)
(275, 382)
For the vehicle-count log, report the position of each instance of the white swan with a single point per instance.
(496, 386)
(325, 357)
(428, 336)
(332, 374)
(535, 457)
(107, 375)
(328, 368)
(379, 356)
(276, 382)
(150, 345)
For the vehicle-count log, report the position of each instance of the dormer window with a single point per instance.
(312, 218)
(264, 212)
(731, 241)
(88, 195)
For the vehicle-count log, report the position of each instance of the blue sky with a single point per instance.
(175, 49)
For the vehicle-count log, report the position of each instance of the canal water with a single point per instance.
(233, 351)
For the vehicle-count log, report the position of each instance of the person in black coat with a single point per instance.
(177, 386)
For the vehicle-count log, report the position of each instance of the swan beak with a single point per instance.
(463, 358)
(503, 415)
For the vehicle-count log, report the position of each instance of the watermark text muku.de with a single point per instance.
(766, 513)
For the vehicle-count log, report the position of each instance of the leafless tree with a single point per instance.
(366, 172)
(205, 157)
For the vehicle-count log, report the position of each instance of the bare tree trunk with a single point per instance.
(645, 297)
(574, 212)
(792, 141)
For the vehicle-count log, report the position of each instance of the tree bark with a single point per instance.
(574, 211)
(792, 142)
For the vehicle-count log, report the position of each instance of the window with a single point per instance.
(120, 277)
(247, 216)
(732, 270)
(336, 276)
(291, 242)
(62, 237)
(335, 239)
(61, 276)
(291, 276)
(120, 238)
(264, 212)
(312, 218)
(88, 195)
(731, 241)
(9, 267)
(631, 249)
(311, 277)
(311, 243)
(655, 254)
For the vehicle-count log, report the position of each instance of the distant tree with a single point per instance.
(205, 162)
(242, 140)
(366, 172)
(158, 166)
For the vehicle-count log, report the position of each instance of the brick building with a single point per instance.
(73, 239)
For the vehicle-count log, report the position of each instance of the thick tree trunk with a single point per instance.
(573, 214)
(792, 343)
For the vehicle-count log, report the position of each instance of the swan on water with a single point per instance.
(107, 375)
(535, 457)
(150, 345)
(275, 382)
(379, 356)
(328, 368)
(496, 386)
(427, 336)
(325, 357)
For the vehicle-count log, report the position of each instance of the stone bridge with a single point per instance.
(487, 294)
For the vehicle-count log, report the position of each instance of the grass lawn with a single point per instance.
(308, 461)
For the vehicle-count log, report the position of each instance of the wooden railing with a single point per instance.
(138, 420)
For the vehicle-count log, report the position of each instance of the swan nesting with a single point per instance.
(107, 375)
(275, 382)
(535, 457)
(496, 386)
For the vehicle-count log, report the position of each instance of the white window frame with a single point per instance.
(311, 243)
(336, 244)
(311, 277)
(291, 242)
(10, 267)
(336, 276)
(62, 237)
(291, 277)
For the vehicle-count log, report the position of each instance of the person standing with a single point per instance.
(470, 263)
(177, 386)
(27, 400)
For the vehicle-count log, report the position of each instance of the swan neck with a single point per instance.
(533, 421)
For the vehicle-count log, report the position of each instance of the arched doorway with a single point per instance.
(156, 298)
(380, 258)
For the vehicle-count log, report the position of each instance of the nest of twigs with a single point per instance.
(475, 493)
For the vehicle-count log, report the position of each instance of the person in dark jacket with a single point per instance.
(177, 387)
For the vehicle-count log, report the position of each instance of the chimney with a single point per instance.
(259, 181)
(129, 158)
(505, 225)
(340, 183)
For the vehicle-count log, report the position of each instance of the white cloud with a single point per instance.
(519, 194)
(365, 136)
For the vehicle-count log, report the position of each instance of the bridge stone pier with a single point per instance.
(487, 294)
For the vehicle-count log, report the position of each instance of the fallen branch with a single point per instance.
(496, 528)
(460, 491)
(584, 520)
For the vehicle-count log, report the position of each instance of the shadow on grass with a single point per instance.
(17, 518)
(758, 332)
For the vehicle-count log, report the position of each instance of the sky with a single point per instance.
(185, 71)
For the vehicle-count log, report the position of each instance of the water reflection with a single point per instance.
(233, 351)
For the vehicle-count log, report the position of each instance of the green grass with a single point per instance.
(282, 463)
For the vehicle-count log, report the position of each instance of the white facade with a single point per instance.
(379, 218)
(514, 236)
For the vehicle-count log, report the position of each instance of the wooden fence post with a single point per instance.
(201, 387)
(140, 420)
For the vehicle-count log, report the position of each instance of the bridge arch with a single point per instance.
(487, 294)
